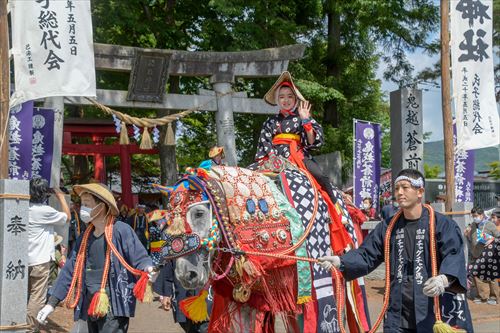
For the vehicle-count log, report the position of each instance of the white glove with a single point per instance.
(44, 313)
(435, 286)
(152, 273)
(328, 261)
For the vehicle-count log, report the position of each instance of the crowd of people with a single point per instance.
(110, 248)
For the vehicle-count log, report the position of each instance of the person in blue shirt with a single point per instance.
(171, 293)
(412, 285)
(99, 276)
(390, 209)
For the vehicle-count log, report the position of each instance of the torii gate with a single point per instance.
(221, 67)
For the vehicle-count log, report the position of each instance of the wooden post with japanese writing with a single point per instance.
(14, 206)
(446, 107)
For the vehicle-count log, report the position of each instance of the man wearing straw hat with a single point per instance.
(98, 278)
(216, 154)
(425, 264)
(216, 157)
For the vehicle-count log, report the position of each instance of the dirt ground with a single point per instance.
(151, 319)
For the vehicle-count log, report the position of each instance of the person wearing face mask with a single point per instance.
(424, 255)
(368, 210)
(481, 233)
(41, 245)
(108, 260)
(390, 209)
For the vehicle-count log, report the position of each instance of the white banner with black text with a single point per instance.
(478, 123)
(53, 49)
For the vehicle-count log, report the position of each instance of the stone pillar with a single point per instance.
(56, 103)
(13, 253)
(224, 117)
(438, 207)
(407, 142)
(463, 220)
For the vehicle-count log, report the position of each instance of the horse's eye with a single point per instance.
(199, 213)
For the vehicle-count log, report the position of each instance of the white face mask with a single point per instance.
(366, 206)
(86, 213)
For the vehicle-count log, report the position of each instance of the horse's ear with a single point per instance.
(165, 190)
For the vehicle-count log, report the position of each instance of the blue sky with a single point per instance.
(433, 120)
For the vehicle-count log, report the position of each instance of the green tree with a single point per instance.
(338, 72)
(494, 170)
(431, 171)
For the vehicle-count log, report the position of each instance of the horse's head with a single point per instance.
(190, 213)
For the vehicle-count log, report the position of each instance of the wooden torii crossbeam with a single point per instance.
(221, 67)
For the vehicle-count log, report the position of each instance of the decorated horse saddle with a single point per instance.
(255, 221)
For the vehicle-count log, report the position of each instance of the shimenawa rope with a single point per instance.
(151, 122)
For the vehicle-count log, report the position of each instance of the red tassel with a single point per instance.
(93, 304)
(94, 310)
(140, 286)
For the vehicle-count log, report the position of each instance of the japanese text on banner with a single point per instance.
(478, 123)
(367, 156)
(51, 42)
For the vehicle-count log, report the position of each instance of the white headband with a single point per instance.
(418, 183)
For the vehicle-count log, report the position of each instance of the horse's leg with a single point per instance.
(243, 318)
(291, 322)
(264, 322)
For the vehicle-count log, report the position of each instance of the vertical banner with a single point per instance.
(20, 131)
(53, 49)
(367, 157)
(478, 123)
(42, 143)
(464, 172)
(386, 185)
(407, 138)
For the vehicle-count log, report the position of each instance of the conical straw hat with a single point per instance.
(270, 96)
(101, 191)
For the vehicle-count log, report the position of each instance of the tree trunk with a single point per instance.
(168, 162)
(331, 112)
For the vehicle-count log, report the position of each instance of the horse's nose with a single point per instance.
(192, 275)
